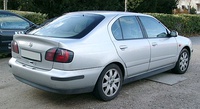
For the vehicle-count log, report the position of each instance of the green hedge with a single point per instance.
(36, 18)
(185, 24)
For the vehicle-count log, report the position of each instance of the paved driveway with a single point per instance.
(142, 94)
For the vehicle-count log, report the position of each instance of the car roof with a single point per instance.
(111, 13)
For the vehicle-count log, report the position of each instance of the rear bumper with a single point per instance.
(58, 81)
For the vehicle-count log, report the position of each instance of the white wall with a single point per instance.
(192, 3)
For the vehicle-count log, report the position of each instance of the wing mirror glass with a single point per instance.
(173, 33)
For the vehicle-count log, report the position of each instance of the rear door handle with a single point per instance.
(154, 44)
(123, 47)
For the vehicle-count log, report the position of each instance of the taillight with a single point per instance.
(59, 55)
(14, 47)
(50, 54)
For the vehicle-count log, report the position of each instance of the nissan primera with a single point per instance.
(97, 52)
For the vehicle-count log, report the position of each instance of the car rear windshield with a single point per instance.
(70, 26)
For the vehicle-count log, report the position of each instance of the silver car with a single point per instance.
(97, 52)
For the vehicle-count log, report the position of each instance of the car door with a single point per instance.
(131, 46)
(10, 24)
(163, 47)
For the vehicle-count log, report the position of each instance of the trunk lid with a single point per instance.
(32, 50)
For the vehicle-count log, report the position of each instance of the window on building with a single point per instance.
(198, 7)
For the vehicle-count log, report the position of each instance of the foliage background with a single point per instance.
(54, 8)
(153, 6)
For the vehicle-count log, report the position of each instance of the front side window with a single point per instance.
(8, 21)
(153, 28)
(70, 26)
(127, 28)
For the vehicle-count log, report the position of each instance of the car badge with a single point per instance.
(30, 44)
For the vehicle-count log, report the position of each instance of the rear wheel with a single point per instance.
(109, 83)
(183, 62)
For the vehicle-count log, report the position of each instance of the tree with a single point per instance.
(12, 4)
(193, 10)
(153, 6)
(57, 7)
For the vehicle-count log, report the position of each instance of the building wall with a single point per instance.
(186, 3)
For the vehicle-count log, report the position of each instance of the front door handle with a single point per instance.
(123, 47)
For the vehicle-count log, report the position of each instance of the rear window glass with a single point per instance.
(70, 26)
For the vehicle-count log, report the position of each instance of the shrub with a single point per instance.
(185, 24)
(36, 18)
(193, 10)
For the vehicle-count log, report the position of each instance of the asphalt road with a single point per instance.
(142, 94)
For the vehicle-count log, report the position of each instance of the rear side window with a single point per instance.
(127, 28)
(130, 28)
(8, 21)
(116, 30)
(153, 27)
(70, 26)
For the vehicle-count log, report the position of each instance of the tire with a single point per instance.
(109, 83)
(182, 63)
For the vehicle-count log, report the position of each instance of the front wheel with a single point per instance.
(183, 62)
(109, 83)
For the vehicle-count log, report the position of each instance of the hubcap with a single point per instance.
(111, 82)
(183, 63)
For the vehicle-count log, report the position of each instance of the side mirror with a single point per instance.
(173, 33)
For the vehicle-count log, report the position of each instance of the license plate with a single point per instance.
(31, 55)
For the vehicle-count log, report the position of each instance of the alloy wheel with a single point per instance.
(184, 59)
(111, 82)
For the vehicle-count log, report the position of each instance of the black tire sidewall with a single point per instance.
(98, 88)
(177, 67)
